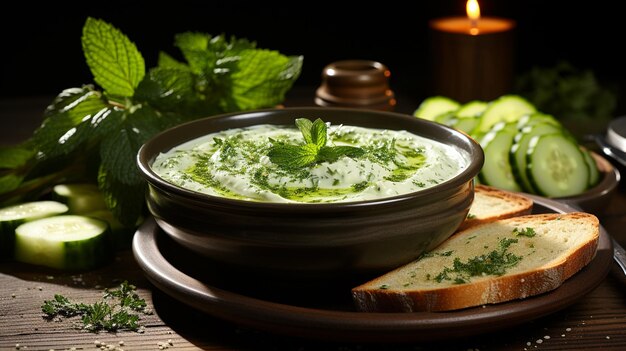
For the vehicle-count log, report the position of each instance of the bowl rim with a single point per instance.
(145, 157)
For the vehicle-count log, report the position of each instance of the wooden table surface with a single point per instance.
(596, 321)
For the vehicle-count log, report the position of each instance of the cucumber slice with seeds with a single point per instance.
(69, 242)
(519, 150)
(13, 216)
(556, 166)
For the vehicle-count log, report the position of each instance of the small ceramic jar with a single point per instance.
(356, 84)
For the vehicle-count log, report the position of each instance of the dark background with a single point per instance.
(41, 51)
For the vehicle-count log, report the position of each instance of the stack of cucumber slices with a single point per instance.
(525, 150)
(71, 231)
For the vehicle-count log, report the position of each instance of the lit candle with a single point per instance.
(472, 56)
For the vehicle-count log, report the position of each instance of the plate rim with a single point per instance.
(335, 325)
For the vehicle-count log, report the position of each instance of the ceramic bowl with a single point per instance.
(310, 240)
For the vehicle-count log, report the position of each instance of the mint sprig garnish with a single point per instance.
(92, 133)
(314, 149)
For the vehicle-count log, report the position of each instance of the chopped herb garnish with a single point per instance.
(471, 215)
(384, 286)
(529, 232)
(360, 186)
(115, 312)
(494, 263)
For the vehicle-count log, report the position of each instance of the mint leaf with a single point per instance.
(118, 151)
(262, 78)
(14, 156)
(319, 133)
(305, 126)
(10, 182)
(13, 166)
(118, 177)
(126, 202)
(116, 64)
(292, 156)
(167, 61)
(194, 49)
(68, 122)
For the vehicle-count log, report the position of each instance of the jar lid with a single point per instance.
(356, 83)
(616, 133)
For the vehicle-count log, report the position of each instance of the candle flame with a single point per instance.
(472, 9)
(473, 13)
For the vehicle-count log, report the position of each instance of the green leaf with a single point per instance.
(118, 150)
(194, 49)
(10, 182)
(262, 78)
(305, 127)
(15, 156)
(118, 177)
(172, 89)
(319, 133)
(116, 64)
(126, 202)
(67, 125)
(167, 61)
(292, 156)
(13, 166)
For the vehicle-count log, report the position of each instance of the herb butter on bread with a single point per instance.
(491, 204)
(499, 261)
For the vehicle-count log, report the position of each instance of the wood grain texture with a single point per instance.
(595, 322)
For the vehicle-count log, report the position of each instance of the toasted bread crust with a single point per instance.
(543, 278)
(481, 211)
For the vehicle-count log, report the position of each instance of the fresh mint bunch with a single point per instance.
(94, 134)
(314, 149)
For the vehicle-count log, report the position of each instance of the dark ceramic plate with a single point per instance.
(326, 312)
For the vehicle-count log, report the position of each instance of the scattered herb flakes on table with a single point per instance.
(119, 309)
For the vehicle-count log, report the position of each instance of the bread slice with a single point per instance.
(539, 252)
(491, 204)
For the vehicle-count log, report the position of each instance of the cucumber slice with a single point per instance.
(468, 116)
(472, 109)
(496, 170)
(13, 216)
(537, 117)
(466, 125)
(556, 166)
(80, 198)
(519, 149)
(68, 242)
(507, 108)
(594, 172)
(446, 118)
(434, 106)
